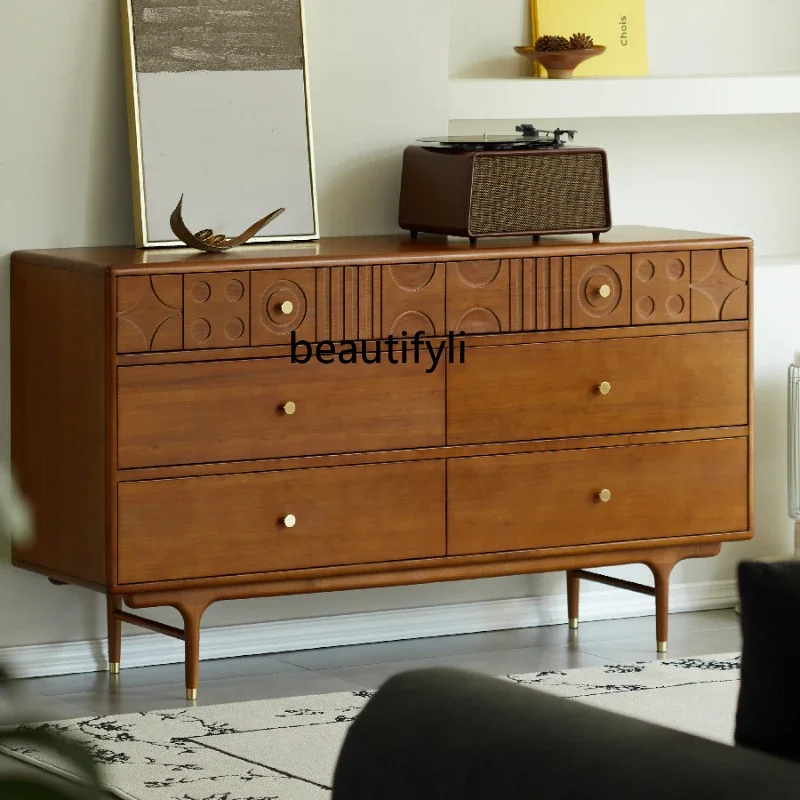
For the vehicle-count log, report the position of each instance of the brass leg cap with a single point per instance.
(661, 647)
(191, 694)
(113, 667)
(573, 623)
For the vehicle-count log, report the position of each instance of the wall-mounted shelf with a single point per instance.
(538, 98)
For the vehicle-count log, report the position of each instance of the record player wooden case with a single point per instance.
(176, 457)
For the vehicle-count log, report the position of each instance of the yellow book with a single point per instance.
(620, 25)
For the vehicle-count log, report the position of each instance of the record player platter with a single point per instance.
(529, 137)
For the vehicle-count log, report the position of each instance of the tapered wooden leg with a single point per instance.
(114, 603)
(573, 597)
(191, 627)
(661, 571)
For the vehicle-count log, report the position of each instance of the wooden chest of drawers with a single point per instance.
(195, 428)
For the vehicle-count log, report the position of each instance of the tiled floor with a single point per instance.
(338, 669)
(367, 666)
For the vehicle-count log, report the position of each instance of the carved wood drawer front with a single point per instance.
(601, 291)
(216, 310)
(258, 522)
(283, 301)
(413, 299)
(557, 499)
(479, 298)
(660, 288)
(269, 408)
(719, 284)
(149, 313)
(608, 386)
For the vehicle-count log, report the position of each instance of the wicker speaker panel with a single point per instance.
(538, 192)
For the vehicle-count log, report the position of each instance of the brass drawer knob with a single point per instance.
(287, 306)
(289, 408)
(604, 290)
(604, 387)
(290, 520)
(604, 496)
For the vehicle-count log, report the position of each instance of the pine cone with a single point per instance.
(547, 44)
(580, 41)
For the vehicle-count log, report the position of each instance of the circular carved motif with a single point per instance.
(645, 271)
(234, 328)
(234, 291)
(591, 300)
(645, 306)
(479, 320)
(273, 297)
(412, 277)
(200, 330)
(675, 305)
(675, 269)
(201, 291)
(478, 274)
(411, 322)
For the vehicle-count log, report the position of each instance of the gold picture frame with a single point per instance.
(229, 171)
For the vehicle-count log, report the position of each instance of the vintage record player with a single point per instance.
(528, 184)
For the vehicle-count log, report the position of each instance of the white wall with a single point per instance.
(379, 72)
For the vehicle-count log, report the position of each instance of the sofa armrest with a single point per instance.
(436, 734)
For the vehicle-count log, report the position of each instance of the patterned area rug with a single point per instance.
(286, 749)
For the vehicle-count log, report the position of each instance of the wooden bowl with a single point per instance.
(561, 63)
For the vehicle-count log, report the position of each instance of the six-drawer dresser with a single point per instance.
(376, 411)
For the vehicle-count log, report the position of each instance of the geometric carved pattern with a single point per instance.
(216, 310)
(149, 309)
(413, 299)
(601, 291)
(348, 303)
(478, 297)
(719, 284)
(272, 290)
(660, 288)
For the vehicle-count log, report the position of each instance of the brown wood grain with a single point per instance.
(58, 415)
(149, 313)
(233, 524)
(551, 499)
(384, 249)
(412, 299)
(551, 390)
(216, 310)
(719, 280)
(477, 340)
(271, 289)
(675, 432)
(232, 410)
(424, 570)
(427, 453)
(660, 288)
(556, 293)
(478, 296)
(588, 308)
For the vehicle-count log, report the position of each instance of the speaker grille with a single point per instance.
(538, 192)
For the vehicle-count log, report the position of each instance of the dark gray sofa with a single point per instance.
(437, 734)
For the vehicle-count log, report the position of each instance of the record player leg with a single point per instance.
(536, 237)
(473, 240)
(595, 237)
(414, 236)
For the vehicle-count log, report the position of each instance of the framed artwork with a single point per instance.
(219, 115)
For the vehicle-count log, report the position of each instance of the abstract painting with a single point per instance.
(218, 113)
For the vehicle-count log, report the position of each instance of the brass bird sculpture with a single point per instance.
(210, 242)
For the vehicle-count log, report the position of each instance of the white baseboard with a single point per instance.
(376, 626)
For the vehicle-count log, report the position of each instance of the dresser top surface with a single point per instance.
(397, 248)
